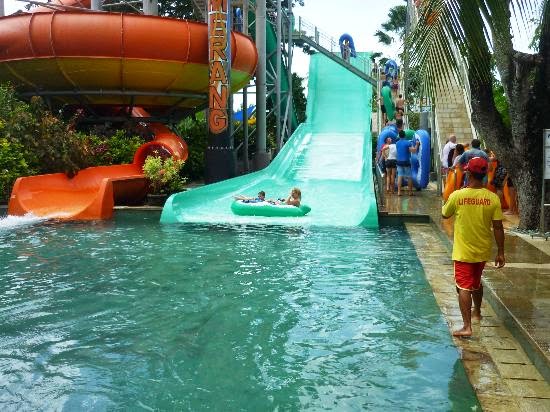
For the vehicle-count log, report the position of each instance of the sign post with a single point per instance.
(220, 156)
(545, 176)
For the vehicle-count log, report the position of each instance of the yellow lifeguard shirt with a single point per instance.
(475, 210)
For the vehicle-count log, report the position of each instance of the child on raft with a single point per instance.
(245, 199)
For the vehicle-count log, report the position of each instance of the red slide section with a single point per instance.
(93, 192)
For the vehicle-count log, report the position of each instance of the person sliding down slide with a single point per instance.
(293, 199)
(245, 199)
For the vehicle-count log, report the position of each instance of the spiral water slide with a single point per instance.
(105, 61)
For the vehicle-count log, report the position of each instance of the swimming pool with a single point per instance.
(131, 314)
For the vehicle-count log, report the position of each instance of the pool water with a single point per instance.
(130, 314)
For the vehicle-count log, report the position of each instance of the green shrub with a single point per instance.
(118, 148)
(164, 174)
(48, 144)
(195, 134)
(34, 141)
(414, 120)
(12, 165)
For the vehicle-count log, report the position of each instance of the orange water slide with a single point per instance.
(113, 60)
(94, 191)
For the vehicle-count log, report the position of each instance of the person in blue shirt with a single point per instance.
(465, 157)
(404, 149)
(475, 151)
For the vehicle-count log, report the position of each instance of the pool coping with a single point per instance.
(519, 385)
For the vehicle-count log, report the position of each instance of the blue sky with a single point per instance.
(359, 18)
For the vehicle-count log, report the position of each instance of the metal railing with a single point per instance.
(328, 45)
(379, 186)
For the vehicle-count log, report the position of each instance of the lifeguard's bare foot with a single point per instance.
(476, 315)
(463, 333)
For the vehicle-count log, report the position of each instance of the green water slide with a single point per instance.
(328, 158)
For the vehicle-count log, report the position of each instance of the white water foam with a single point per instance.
(12, 222)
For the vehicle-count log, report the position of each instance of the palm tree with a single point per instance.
(479, 32)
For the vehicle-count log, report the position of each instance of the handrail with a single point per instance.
(310, 34)
(378, 181)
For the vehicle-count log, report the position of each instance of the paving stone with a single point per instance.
(492, 403)
(529, 389)
(512, 357)
(535, 405)
(519, 372)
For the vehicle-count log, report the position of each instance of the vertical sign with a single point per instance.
(220, 158)
(546, 137)
(545, 176)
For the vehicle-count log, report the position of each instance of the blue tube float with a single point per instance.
(343, 38)
(388, 131)
(420, 161)
(390, 69)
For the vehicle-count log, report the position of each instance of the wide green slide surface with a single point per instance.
(328, 158)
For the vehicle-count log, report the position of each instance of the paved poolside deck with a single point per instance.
(508, 359)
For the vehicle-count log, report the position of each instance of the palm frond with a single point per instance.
(453, 33)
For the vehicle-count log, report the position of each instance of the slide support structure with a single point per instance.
(262, 157)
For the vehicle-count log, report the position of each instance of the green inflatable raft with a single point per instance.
(267, 209)
(388, 102)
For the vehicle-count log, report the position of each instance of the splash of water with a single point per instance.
(11, 222)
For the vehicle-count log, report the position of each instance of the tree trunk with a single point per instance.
(520, 149)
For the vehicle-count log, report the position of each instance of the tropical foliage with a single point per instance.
(478, 34)
(395, 25)
(163, 174)
(34, 141)
(195, 133)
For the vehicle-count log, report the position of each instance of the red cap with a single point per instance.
(477, 165)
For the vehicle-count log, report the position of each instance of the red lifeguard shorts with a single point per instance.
(468, 275)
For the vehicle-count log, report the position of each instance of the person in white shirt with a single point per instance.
(451, 144)
(390, 158)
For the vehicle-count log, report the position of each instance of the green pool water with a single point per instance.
(133, 315)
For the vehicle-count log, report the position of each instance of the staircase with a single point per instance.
(451, 104)
(453, 113)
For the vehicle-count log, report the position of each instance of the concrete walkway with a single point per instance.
(508, 359)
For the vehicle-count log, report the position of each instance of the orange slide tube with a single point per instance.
(113, 60)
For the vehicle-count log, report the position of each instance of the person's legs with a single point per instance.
(465, 304)
(392, 179)
(477, 297)
(399, 179)
(468, 284)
